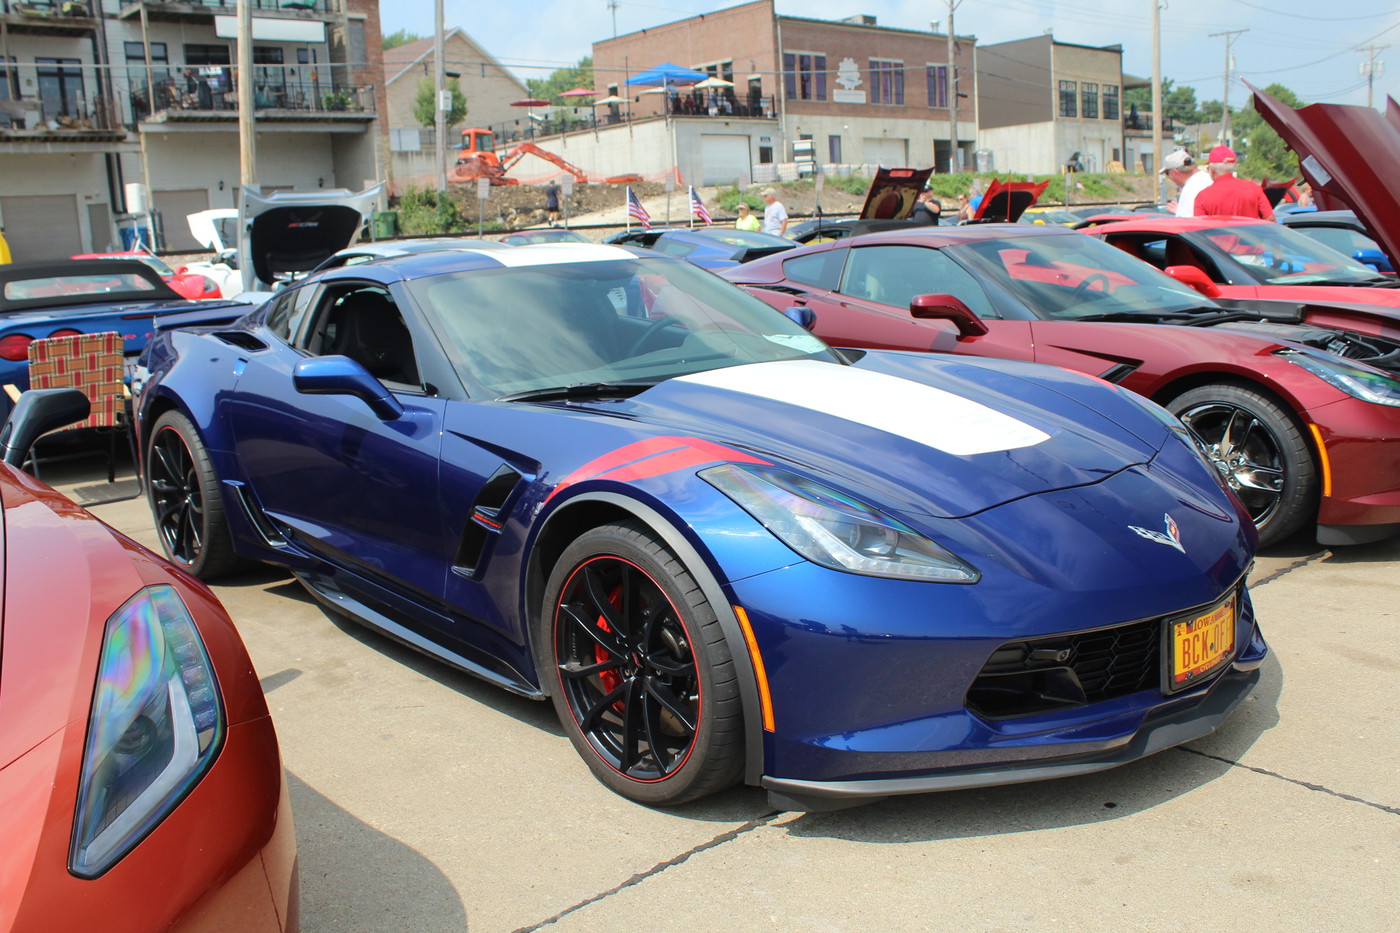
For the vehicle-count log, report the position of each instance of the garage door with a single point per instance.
(174, 207)
(42, 226)
(724, 159)
(891, 153)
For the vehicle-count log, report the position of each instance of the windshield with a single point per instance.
(1273, 254)
(634, 321)
(1071, 276)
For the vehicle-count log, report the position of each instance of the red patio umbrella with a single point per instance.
(579, 92)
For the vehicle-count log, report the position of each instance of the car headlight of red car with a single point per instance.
(832, 529)
(154, 729)
(1364, 383)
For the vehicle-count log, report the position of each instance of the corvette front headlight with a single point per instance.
(154, 729)
(1364, 383)
(832, 529)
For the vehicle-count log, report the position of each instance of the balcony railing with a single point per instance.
(1142, 122)
(212, 91)
(230, 6)
(532, 126)
(49, 9)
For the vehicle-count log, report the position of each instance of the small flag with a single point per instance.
(697, 207)
(635, 209)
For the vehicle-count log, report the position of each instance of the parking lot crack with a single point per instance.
(1395, 811)
(1283, 571)
(658, 868)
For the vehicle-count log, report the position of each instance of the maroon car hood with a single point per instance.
(1348, 153)
(893, 192)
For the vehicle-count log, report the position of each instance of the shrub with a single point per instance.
(421, 214)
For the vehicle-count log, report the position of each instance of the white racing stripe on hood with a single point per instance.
(921, 413)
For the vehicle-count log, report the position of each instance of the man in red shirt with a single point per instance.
(1228, 195)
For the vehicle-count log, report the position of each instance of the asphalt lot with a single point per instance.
(426, 800)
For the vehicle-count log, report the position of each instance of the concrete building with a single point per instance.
(1044, 103)
(804, 92)
(98, 97)
(488, 88)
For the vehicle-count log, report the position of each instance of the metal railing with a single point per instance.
(230, 6)
(71, 9)
(557, 122)
(280, 89)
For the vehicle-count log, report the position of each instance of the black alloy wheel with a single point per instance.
(185, 502)
(642, 678)
(1259, 450)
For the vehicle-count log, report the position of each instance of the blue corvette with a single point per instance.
(723, 550)
(712, 248)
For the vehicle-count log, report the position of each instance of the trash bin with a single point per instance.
(386, 224)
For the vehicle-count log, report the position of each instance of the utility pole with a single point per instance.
(247, 150)
(955, 156)
(1157, 100)
(1370, 67)
(1229, 39)
(440, 111)
(612, 6)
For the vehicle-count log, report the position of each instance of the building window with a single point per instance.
(207, 55)
(833, 150)
(1110, 102)
(938, 85)
(9, 79)
(1068, 91)
(60, 87)
(886, 82)
(804, 75)
(1089, 101)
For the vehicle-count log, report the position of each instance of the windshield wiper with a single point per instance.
(580, 390)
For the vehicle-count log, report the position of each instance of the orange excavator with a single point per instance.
(477, 159)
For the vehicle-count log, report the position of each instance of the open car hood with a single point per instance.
(1008, 200)
(1349, 154)
(284, 233)
(215, 229)
(893, 193)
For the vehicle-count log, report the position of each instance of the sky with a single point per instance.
(1291, 42)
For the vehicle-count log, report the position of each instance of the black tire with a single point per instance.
(185, 501)
(656, 713)
(1260, 450)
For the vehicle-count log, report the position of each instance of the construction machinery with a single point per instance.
(477, 159)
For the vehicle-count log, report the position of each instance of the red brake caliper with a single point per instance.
(611, 679)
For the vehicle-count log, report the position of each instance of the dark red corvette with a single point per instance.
(1295, 417)
(140, 783)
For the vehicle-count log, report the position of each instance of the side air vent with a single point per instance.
(485, 519)
(241, 338)
(269, 533)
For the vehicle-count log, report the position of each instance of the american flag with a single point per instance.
(697, 207)
(635, 209)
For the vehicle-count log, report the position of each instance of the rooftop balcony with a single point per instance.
(48, 17)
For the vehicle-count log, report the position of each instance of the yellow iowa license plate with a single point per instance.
(1199, 645)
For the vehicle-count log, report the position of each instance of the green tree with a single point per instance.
(401, 37)
(425, 105)
(1263, 153)
(1178, 103)
(561, 80)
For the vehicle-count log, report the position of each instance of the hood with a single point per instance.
(215, 229)
(1008, 200)
(1349, 154)
(944, 438)
(893, 192)
(283, 233)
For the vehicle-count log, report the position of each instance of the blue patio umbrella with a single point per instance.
(659, 75)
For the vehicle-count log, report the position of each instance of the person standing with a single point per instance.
(551, 202)
(746, 220)
(1182, 171)
(927, 210)
(1230, 195)
(775, 216)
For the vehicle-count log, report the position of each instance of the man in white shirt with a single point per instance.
(775, 217)
(1183, 172)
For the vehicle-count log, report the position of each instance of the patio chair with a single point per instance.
(93, 363)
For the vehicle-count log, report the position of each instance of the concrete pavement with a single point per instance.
(428, 801)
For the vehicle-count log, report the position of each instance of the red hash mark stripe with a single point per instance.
(654, 456)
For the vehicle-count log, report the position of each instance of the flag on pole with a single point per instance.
(635, 209)
(697, 207)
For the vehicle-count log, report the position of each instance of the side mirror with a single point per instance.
(1370, 257)
(37, 412)
(804, 316)
(1195, 277)
(340, 375)
(948, 308)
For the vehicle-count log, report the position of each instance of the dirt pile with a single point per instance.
(523, 205)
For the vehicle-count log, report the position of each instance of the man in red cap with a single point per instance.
(1228, 195)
